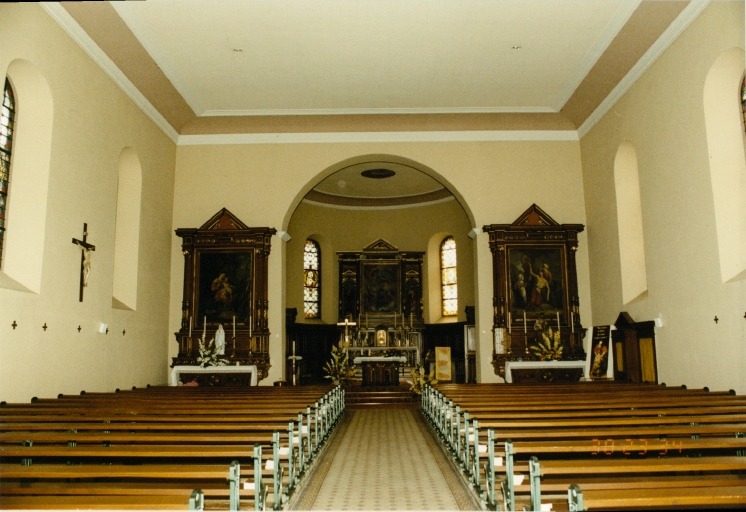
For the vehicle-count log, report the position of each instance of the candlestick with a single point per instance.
(524, 323)
(572, 322)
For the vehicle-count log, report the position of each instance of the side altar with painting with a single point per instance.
(224, 305)
(535, 313)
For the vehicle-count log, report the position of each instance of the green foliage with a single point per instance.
(338, 368)
(420, 379)
(208, 354)
(549, 347)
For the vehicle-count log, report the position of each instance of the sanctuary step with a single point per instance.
(386, 397)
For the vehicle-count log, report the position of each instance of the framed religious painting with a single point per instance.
(223, 285)
(536, 281)
(380, 287)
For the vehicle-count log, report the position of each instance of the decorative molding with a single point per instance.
(688, 15)
(71, 27)
(381, 137)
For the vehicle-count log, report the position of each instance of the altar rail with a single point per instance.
(155, 447)
(594, 445)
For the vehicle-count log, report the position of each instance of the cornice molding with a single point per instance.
(71, 27)
(680, 24)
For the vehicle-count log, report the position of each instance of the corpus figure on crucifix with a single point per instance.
(85, 259)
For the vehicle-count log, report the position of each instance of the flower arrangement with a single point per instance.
(549, 345)
(420, 379)
(208, 354)
(338, 368)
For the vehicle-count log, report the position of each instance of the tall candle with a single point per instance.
(190, 326)
(204, 328)
(558, 321)
(234, 326)
(293, 348)
(524, 323)
(572, 322)
(510, 327)
(251, 324)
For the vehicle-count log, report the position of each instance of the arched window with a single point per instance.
(311, 280)
(6, 146)
(448, 280)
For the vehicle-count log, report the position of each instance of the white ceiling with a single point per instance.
(250, 57)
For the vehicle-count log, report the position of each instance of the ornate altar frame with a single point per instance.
(225, 283)
(534, 284)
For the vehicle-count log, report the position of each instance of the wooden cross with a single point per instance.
(347, 324)
(85, 259)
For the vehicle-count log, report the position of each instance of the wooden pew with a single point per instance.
(151, 436)
(570, 421)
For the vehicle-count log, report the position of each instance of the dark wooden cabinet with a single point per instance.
(225, 284)
(634, 350)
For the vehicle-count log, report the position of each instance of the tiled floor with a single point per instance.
(383, 459)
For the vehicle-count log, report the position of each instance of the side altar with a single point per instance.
(535, 304)
(224, 305)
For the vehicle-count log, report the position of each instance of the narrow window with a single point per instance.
(311, 280)
(6, 146)
(448, 281)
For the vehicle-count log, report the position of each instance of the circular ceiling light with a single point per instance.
(378, 174)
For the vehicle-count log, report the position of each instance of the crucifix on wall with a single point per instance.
(85, 259)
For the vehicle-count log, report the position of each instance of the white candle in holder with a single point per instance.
(558, 321)
(204, 327)
(190, 326)
(234, 326)
(510, 328)
(524, 323)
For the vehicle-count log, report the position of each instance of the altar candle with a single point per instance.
(411, 317)
(572, 322)
(293, 348)
(234, 326)
(510, 327)
(204, 327)
(190, 326)
(524, 323)
(558, 321)
(251, 324)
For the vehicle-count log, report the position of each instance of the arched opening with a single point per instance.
(725, 142)
(127, 236)
(377, 197)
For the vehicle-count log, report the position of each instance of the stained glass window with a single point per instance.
(6, 145)
(311, 280)
(448, 281)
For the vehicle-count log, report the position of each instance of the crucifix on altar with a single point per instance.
(347, 324)
(85, 259)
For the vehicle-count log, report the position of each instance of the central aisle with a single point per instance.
(384, 459)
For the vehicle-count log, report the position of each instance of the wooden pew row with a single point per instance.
(461, 433)
(300, 446)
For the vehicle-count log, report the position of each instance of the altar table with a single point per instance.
(250, 370)
(544, 371)
(380, 370)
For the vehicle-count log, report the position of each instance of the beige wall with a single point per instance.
(262, 184)
(93, 121)
(662, 117)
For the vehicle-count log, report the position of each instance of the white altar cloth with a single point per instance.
(177, 370)
(540, 365)
(379, 359)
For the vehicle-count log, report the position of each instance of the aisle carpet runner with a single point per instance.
(384, 459)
